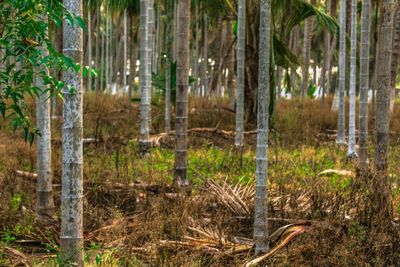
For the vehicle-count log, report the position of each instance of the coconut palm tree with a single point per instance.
(45, 202)
(260, 233)
(363, 162)
(382, 209)
(341, 139)
(240, 66)
(72, 157)
(145, 88)
(182, 85)
(351, 152)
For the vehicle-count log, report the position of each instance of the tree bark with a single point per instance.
(363, 162)
(351, 151)
(144, 143)
(260, 233)
(240, 68)
(341, 139)
(72, 157)
(382, 208)
(44, 203)
(182, 70)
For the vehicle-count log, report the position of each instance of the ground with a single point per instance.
(133, 217)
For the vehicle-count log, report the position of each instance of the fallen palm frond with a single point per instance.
(238, 198)
(338, 172)
(208, 240)
(20, 258)
(286, 233)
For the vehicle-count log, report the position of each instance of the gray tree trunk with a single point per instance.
(169, 43)
(341, 138)
(308, 27)
(72, 157)
(395, 54)
(260, 233)
(125, 61)
(363, 162)
(351, 151)
(240, 67)
(90, 49)
(230, 65)
(144, 141)
(150, 45)
(44, 191)
(182, 71)
(381, 185)
(98, 44)
(204, 65)
(196, 48)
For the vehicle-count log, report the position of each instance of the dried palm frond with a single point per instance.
(285, 234)
(237, 198)
(338, 172)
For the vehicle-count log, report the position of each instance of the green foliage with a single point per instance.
(23, 32)
(311, 91)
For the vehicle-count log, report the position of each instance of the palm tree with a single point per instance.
(351, 152)
(182, 70)
(308, 27)
(363, 162)
(381, 185)
(145, 88)
(72, 157)
(342, 74)
(240, 72)
(45, 202)
(170, 37)
(260, 233)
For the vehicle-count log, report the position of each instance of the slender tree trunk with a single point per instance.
(395, 54)
(240, 67)
(98, 44)
(196, 47)
(295, 39)
(107, 42)
(103, 69)
(351, 151)
(204, 65)
(341, 139)
(150, 30)
(156, 63)
(382, 189)
(308, 27)
(170, 36)
(260, 233)
(230, 65)
(327, 40)
(72, 158)
(125, 61)
(279, 83)
(90, 49)
(144, 142)
(363, 162)
(182, 70)
(132, 57)
(44, 202)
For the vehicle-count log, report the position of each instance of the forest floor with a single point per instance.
(133, 217)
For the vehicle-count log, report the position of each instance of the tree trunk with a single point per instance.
(125, 61)
(230, 64)
(107, 41)
(240, 67)
(196, 48)
(204, 65)
(98, 44)
(169, 43)
(341, 139)
(308, 27)
(72, 157)
(144, 142)
(294, 47)
(182, 70)
(351, 151)
(363, 162)
(382, 209)
(89, 50)
(150, 29)
(44, 203)
(395, 54)
(260, 234)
